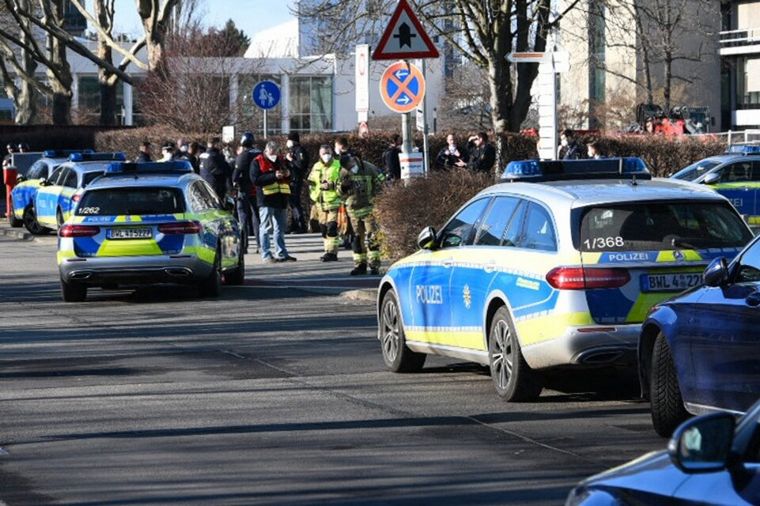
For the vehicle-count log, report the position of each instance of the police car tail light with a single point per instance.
(78, 231)
(181, 227)
(580, 278)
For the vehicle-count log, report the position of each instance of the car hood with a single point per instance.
(653, 472)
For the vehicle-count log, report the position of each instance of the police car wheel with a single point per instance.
(665, 395)
(512, 377)
(73, 292)
(396, 355)
(236, 276)
(212, 285)
(12, 220)
(31, 223)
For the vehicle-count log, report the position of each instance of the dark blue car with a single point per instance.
(700, 351)
(709, 460)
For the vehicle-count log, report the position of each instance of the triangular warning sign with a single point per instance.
(404, 37)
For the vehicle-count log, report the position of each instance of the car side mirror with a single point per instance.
(711, 178)
(716, 273)
(44, 182)
(427, 238)
(20, 179)
(703, 444)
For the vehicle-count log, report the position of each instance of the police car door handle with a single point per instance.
(489, 267)
(448, 263)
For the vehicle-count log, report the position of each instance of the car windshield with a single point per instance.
(695, 170)
(647, 226)
(131, 201)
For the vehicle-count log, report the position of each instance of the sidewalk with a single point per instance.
(307, 274)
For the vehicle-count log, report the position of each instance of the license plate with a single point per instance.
(676, 282)
(130, 233)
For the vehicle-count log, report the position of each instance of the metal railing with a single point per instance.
(748, 137)
(738, 38)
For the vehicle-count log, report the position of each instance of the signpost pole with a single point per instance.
(265, 123)
(425, 154)
(406, 127)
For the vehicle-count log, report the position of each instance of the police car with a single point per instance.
(56, 196)
(23, 194)
(149, 223)
(735, 175)
(560, 271)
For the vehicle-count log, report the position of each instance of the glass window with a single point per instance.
(90, 177)
(57, 175)
(662, 225)
(459, 230)
(737, 172)
(311, 103)
(695, 170)
(197, 199)
(210, 196)
(514, 231)
(71, 179)
(538, 230)
(493, 226)
(131, 201)
(88, 94)
(37, 170)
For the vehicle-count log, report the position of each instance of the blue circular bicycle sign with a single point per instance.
(266, 94)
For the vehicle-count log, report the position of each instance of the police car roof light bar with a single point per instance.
(64, 153)
(743, 149)
(98, 157)
(562, 170)
(177, 167)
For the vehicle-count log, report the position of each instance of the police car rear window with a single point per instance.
(131, 201)
(651, 226)
(695, 170)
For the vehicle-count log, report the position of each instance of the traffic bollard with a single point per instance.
(9, 178)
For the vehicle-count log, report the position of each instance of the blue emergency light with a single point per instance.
(64, 153)
(177, 167)
(744, 149)
(559, 170)
(98, 157)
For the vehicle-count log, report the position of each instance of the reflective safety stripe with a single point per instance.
(204, 254)
(465, 337)
(548, 327)
(277, 188)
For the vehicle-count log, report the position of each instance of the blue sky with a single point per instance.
(249, 15)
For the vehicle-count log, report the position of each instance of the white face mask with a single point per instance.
(272, 158)
(355, 169)
(563, 142)
(289, 144)
(326, 159)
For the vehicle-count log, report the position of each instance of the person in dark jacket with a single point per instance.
(298, 163)
(482, 154)
(145, 152)
(391, 163)
(193, 156)
(247, 208)
(270, 174)
(569, 149)
(450, 156)
(215, 169)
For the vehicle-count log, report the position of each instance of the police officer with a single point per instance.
(145, 149)
(323, 192)
(359, 184)
(247, 208)
(215, 169)
(298, 163)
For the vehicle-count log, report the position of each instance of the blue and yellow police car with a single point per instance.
(735, 175)
(23, 194)
(149, 223)
(560, 271)
(56, 196)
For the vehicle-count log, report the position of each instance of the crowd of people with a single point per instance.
(266, 184)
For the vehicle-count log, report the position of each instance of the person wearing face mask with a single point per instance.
(450, 156)
(569, 147)
(482, 154)
(298, 163)
(270, 174)
(359, 184)
(247, 208)
(323, 192)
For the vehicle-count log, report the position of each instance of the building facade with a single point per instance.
(740, 64)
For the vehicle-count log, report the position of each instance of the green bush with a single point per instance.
(404, 209)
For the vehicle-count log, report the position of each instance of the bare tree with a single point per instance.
(19, 63)
(155, 16)
(482, 31)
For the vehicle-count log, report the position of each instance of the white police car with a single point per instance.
(556, 272)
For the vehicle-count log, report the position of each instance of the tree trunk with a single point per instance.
(61, 104)
(26, 101)
(108, 102)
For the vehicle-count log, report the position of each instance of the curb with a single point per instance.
(17, 234)
(364, 295)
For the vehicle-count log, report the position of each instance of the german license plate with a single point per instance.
(675, 282)
(130, 233)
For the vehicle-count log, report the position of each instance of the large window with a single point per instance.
(88, 95)
(311, 103)
(250, 117)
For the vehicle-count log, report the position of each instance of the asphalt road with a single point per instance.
(274, 393)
